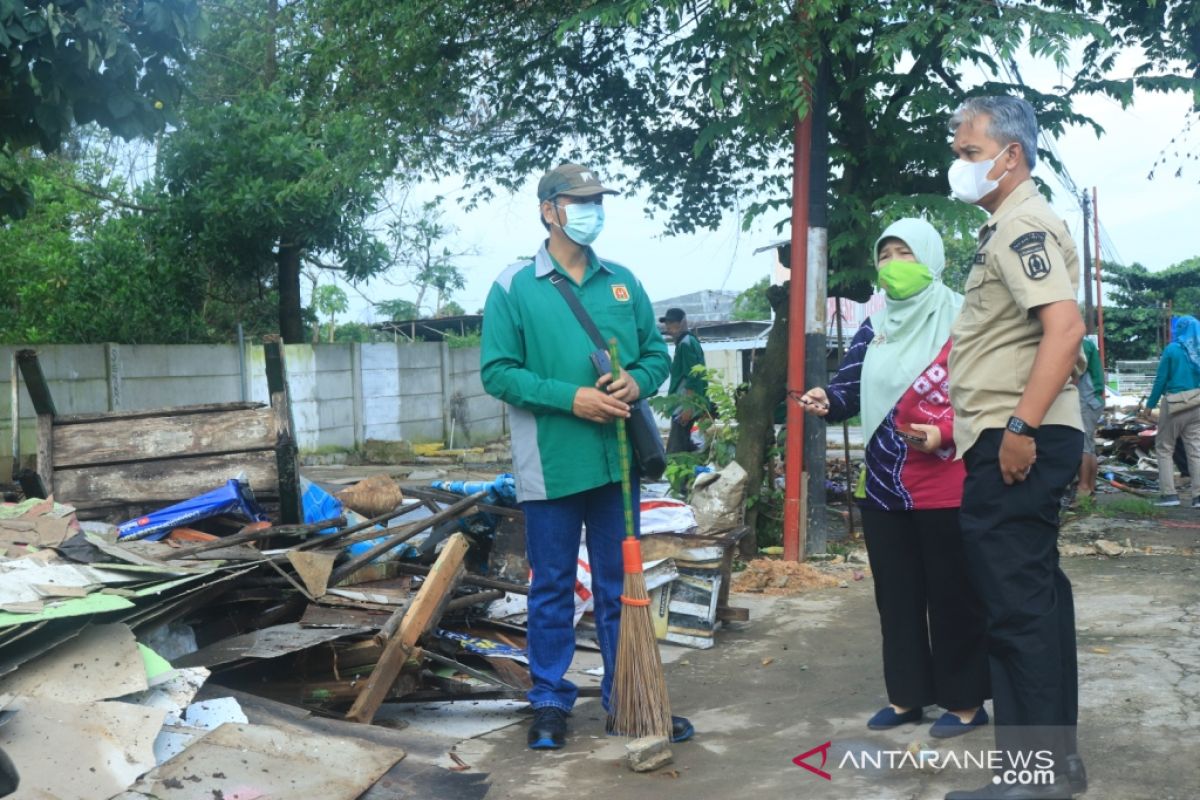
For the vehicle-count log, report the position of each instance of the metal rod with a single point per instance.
(391, 541)
(324, 541)
(845, 434)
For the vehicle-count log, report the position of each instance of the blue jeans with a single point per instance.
(552, 531)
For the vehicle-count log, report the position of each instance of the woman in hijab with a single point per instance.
(1176, 383)
(895, 376)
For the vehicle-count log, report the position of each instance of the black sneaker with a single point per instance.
(681, 729)
(548, 731)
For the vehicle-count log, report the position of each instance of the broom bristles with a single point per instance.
(640, 705)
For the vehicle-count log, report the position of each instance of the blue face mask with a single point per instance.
(584, 222)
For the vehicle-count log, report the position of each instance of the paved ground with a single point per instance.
(806, 670)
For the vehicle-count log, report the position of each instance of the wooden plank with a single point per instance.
(163, 482)
(45, 452)
(424, 612)
(733, 614)
(142, 413)
(35, 382)
(111, 440)
(320, 616)
(286, 453)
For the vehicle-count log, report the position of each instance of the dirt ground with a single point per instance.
(806, 670)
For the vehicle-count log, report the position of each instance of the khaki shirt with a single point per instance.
(1026, 258)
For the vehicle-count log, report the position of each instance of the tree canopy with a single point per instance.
(115, 64)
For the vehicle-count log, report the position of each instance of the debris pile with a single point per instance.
(774, 577)
(154, 631)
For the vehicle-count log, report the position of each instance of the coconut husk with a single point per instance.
(376, 495)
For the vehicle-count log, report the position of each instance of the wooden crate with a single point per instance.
(118, 465)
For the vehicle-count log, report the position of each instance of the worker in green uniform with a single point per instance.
(684, 382)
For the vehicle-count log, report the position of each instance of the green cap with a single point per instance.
(571, 180)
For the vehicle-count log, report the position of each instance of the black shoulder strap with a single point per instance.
(577, 308)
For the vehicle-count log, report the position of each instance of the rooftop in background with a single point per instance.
(431, 329)
(729, 331)
(703, 306)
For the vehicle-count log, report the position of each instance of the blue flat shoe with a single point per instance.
(681, 730)
(949, 725)
(887, 718)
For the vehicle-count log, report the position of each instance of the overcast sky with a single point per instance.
(1147, 221)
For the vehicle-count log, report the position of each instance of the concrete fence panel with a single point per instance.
(342, 393)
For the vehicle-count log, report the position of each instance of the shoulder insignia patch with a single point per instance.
(1031, 247)
(980, 258)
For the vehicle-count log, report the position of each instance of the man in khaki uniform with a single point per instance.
(1017, 425)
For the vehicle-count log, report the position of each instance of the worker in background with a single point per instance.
(684, 382)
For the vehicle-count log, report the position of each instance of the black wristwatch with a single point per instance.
(1020, 427)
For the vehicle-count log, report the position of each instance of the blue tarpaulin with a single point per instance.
(234, 497)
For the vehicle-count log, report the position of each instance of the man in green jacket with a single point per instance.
(684, 383)
(536, 357)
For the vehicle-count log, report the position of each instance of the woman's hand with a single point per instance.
(815, 402)
(933, 438)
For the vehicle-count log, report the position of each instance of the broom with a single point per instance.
(640, 706)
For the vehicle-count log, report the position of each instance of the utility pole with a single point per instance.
(1099, 284)
(816, 339)
(795, 522)
(1089, 318)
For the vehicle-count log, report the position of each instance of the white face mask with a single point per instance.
(969, 180)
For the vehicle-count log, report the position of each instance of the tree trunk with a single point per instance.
(291, 326)
(756, 409)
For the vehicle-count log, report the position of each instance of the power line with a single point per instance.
(1105, 247)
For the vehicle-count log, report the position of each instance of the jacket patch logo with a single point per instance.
(1031, 247)
(620, 292)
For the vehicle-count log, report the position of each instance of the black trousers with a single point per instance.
(1010, 534)
(933, 625)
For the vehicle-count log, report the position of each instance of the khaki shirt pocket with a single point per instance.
(976, 293)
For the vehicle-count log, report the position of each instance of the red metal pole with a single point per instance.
(794, 513)
(1096, 261)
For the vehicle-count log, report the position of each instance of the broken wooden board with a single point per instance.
(167, 433)
(313, 568)
(270, 642)
(424, 612)
(319, 616)
(163, 482)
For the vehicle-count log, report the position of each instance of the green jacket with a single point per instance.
(688, 353)
(536, 355)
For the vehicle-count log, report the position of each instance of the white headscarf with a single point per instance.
(909, 333)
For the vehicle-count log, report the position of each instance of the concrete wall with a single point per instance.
(342, 394)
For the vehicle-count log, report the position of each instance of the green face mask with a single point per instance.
(903, 279)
